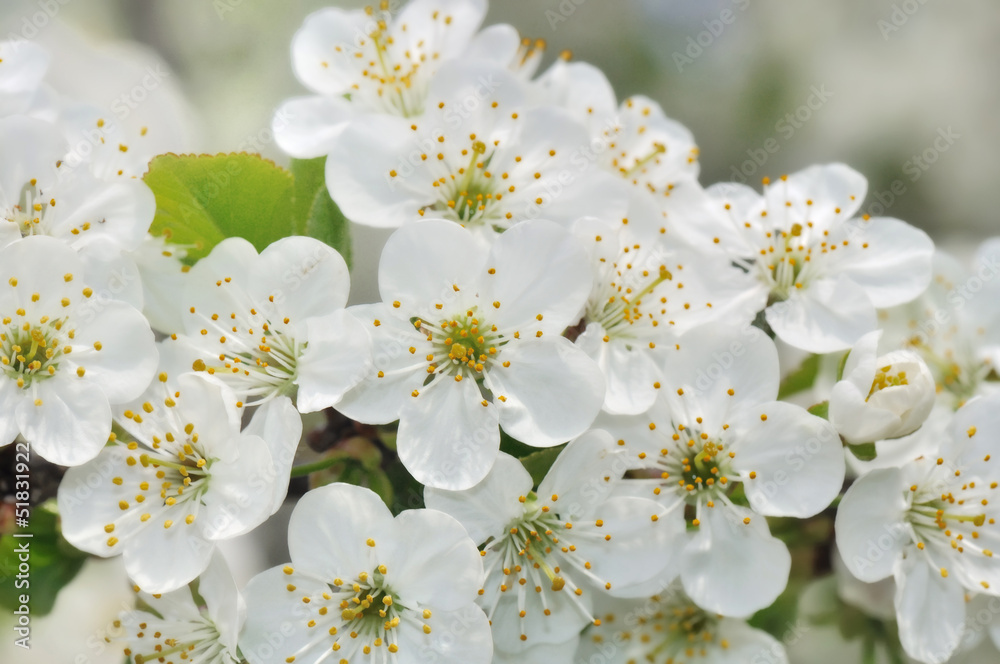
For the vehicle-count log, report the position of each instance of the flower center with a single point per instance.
(31, 352)
(671, 631)
(786, 259)
(469, 194)
(693, 465)
(195, 640)
(257, 365)
(619, 306)
(463, 345)
(885, 378)
(362, 616)
(538, 554)
(951, 514)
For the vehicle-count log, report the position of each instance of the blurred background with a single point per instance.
(905, 91)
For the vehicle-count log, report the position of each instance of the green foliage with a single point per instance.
(52, 563)
(323, 220)
(203, 199)
(538, 463)
(801, 379)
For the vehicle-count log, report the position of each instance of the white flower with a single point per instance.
(40, 197)
(648, 290)
(932, 525)
(881, 396)
(954, 326)
(66, 353)
(370, 62)
(468, 339)
(183, 479)
(669, 627)
(177, 630)
(547, 554)
(479, 156)
(363, 585)
(716, 425)
(274, 324)
(820, 273)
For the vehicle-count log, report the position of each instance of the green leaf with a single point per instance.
(801, 379)
(538, 463)
(203, 199)
(314, 213)
(821, 409)
(52, 562)
(864, 452)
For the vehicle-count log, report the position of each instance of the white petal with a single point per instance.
(584, 474)
(746, 644)
(423, 262)
(33, 148)
(458, 637)
(275, 628)
(279, 424)
(431, 560)
(891, 262)
(541, 269)
(797, 457)
(447, 438)
(486, 509)
(630, 371)
(825, 194)
(553, 391)
(379, 400)
(339, 356)
(322, 45)
(365, 189)
(127, 361)
(930, 611)
(713, 361)
(222, 599)
(870, 524)
(10, 396)
(241, 491)
(72, 423)
(305, 127)
(731, 567)
(163, 559)
(119, 212)
(640, 552)
(829, 315)
(306, 277)
(328, 530)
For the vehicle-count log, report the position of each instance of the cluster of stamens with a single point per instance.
(176, 458)
(361, 617)
(257, 358)
(950, 513)
(632, 305)
(538, 554)
(885, 378)
(462, 346)
(667, 631)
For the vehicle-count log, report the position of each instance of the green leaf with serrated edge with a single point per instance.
(203, 199)
(52, 563)
(314, 212)
(538, 463)
(864, 452)
(801, 379)
(821, 409)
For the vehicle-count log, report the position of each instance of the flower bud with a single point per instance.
(881, 397)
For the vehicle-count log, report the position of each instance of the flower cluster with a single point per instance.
(585, 359)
